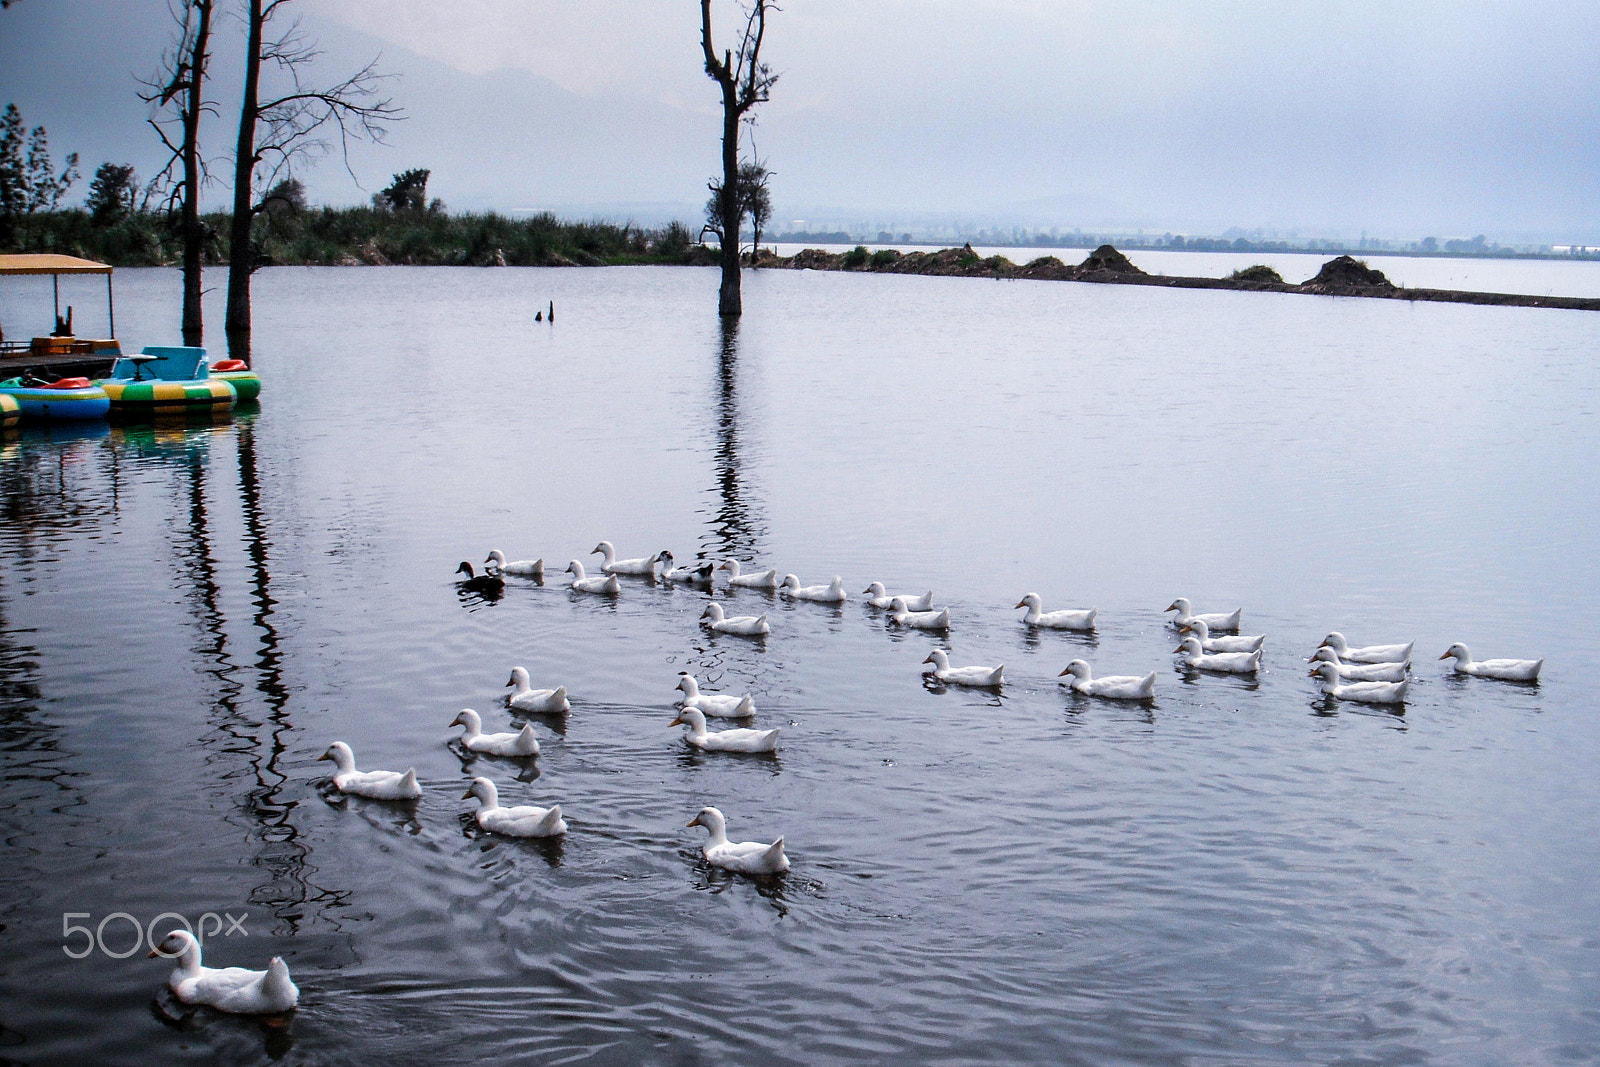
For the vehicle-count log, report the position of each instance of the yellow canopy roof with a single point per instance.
(49, 263)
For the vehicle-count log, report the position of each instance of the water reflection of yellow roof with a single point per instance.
(50, 263)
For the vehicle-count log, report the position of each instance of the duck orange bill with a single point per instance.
(324, 756)
(1064, 673)
(677, 722)
(1021, 604)
(693, 822)
(1445, 656)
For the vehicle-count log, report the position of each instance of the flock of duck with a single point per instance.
(1375, 674)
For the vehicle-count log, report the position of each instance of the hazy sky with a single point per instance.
(1398, 118)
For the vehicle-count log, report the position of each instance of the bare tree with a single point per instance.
(283, 130)
(745, 82)
(176, 95)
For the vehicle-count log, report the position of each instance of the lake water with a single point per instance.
(1238, 872)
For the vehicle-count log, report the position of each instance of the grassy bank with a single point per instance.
(348, 236)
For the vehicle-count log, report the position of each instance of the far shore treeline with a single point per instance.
(329, 236)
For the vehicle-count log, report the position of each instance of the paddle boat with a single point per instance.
(64, 398)
(167, 380)
(237, 373)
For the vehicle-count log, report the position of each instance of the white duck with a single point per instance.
(1507, 670)
(743, 625)
(901, 615)
(1218, 662)
(644, 567)
(764, 580)
(378, 785)
(1217, 620)
(529, 568)
(522, 743)
(699, 574)
(721, 705)
(1200, 629)
(524, 697)
(607, 586)
(746, 857)
(832, 593)
(1112, 686)
(879, 597)
(231, 989)
(528, 821)
(1361, 672)
(1370, 653)
(1360, 692)
(738, 739)
(979, 677)
(1055, 620)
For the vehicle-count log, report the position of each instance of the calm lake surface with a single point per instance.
(1239, 872)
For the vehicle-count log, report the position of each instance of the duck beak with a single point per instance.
(929, 659)
(467, 794)
(678, 722)
(323, 757)
(1445, 656)
(1021, 604)
(693, 822)
(152, 954)
(1178, 649)
(512, 682)
(1064, 673)
(1171, 607)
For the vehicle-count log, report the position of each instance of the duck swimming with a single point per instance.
(763, 580)
(721, 705)
(376, 785)
(745, 857)
(526, 821)
(743, 625)
(1112, 686)
(978, 677)
(1370, 653)
(699, 574)
(1235, 643)
(607, 586)
(1218, 662)
(738, 739)
(832, 593)
(1221, 620)
(521, 743)
(478, 583)
(524, 697)
(1506, 670)
(901, 615)
(1071, 619)
(1361, 692)
(524, 568)
(644, 567)
(230, 989)
(1361, 672)
(879, 597)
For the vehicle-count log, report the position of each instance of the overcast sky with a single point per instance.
(1400, 118)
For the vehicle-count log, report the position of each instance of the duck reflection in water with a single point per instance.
(550, 849)
(275, 1031)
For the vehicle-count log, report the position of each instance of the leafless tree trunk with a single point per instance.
(745, 82)
(284, 129)
(183, 80)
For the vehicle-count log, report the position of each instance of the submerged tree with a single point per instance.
(282, 130)
(754, 200)
(176, 95)
(745, 82)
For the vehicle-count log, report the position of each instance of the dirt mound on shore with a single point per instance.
(1108, 258)
(1348, 273)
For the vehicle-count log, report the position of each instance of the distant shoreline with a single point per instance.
(1342, 276)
